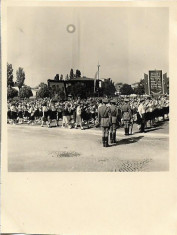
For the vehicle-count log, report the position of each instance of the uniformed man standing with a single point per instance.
(126, 115)
(114, 121)
(104, 120)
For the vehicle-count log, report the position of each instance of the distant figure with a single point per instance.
(79, 117)
(45, 114)
(104, 120)
(114, 120)
(126, 115)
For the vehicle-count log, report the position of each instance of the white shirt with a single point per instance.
(141, 109)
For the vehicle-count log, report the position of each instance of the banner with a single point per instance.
(146, 85)
(166, 83)
(155, 82)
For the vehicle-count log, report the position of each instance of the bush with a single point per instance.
(11, 93)
(25, 92)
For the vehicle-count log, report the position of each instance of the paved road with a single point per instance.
(37, 149)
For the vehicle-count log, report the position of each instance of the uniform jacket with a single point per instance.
(104, 116)
(126, 112)
(114, 114)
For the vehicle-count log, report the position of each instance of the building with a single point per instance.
(75, 85)
(34, 91)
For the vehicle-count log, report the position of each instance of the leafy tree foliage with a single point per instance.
(25, 92)
(56, 78)
(20, 77)
(10, 75)
(118, 85)
(67, 77)
(126, 89)
(61, 77)
(108, 87)
(71, 76)
(44, 91)
(140, 90)
(11, 92)
(78, 73)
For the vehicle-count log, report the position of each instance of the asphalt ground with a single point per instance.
(32, 148)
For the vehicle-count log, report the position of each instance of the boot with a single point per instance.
(103, 141)
(111, 138)
(106, 142)
(128, 131)
(114, 138)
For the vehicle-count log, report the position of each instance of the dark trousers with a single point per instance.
(143, 122)
(105, 131)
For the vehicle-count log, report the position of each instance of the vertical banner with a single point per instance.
(146, 85)
(155, 82)
(166, 83)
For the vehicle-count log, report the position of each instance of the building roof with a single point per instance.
(73, 79)
(82, 79)
(52, 80)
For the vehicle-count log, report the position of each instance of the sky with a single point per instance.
(127, 42)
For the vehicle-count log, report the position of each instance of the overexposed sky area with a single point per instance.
(127, 42)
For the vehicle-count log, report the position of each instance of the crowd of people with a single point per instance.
(84, 113)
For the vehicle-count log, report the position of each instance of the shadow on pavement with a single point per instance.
(130, 140)
(152, 129)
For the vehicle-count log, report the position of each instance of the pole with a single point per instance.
(98, 76)
(98, 71)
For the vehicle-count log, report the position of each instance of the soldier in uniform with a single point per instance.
(104, 120)
(126, 115)
(114, 119)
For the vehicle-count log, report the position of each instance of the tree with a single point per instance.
(25, 92)
(20, 77)
(44, 91)
(108, 87)
(78, 73)
(118, 86)
(56, 78)
(126, 89)
(10, 75)
(61, 77)
(42, 84)
(11, 92)
(71, 76)
(140, 90)
(67, 77)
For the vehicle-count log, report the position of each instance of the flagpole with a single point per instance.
(98, 70)
(98, 75)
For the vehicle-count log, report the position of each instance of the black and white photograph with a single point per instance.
(87, 89)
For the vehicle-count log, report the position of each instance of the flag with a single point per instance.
(165, 83)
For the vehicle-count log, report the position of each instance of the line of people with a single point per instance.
(91, 112)
(146, 111)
